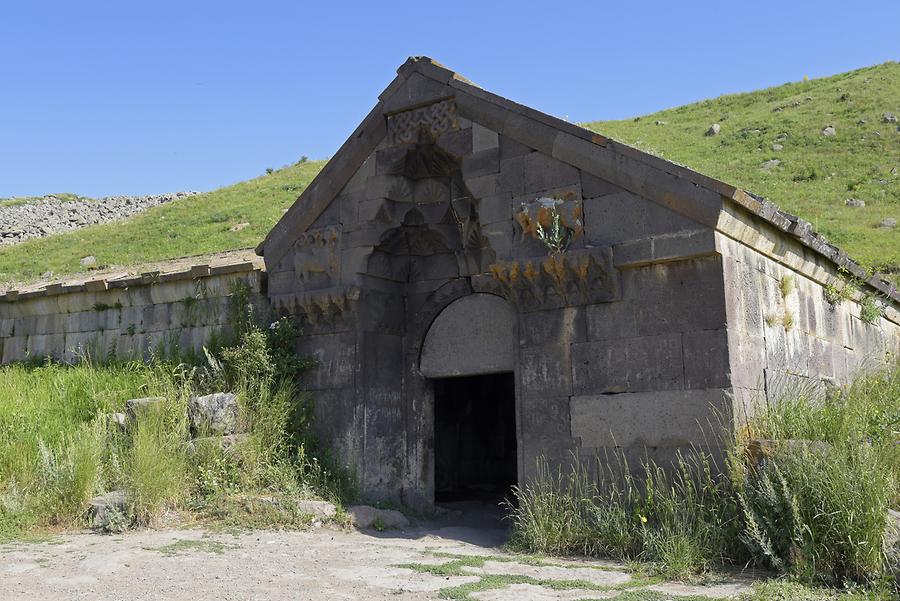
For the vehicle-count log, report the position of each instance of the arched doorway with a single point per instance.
(469, 355)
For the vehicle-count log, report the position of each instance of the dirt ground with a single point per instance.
(324, 563)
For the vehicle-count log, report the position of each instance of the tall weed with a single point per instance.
(814, 505)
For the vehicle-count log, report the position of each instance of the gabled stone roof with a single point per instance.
(421, 81)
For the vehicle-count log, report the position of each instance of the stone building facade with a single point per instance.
(484, 284)
(456, 347)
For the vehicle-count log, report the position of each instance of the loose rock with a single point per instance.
(104, 509)
(889, 117)
(48, 215)
(238, 227)
(770, 164)
(777, 147)
(714, 129)
(213, 414)
(136, 408)
(318, 509)
(855, 203)
(364, 516)
(114, 422)
(829, 131)
(888, 223)
(88, 261)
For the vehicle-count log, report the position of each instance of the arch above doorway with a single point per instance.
(473, 335)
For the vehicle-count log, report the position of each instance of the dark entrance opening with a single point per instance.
(474, 438)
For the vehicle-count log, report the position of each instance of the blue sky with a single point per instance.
(111, 97)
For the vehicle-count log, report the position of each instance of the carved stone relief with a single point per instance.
(316, 257)
(435, 119)
(573, 278)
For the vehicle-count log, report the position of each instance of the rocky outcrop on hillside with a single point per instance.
(39, 217)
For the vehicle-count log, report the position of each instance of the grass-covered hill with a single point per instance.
(201, 224)
(815, 176)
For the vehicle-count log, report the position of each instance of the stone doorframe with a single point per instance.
(418, 486)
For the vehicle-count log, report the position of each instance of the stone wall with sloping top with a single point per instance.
(175, 308)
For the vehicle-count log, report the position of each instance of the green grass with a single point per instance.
(57, 451)
(203, 545)
(817, 174)
(195, 225)
(814, 509)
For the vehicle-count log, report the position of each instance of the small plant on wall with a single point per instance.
(786, 319)
(547, 221)
(872, 305)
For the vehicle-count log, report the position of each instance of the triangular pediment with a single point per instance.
(409, 135)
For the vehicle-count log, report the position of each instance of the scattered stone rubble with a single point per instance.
(51, 215)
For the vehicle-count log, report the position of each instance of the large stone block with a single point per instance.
(157, 317)
(545, 173)
(821, 358)
(748, 359)
(512, 175)
(457, 142)
(499, 236)
(484, 138)
(46, 345)
(630, 364)
(473, 335)
(544, 418)
(339, 424)
(510, 148)
(615, 218)
(494, 209)
(483, 187)
(593, 187)
(213, 414)
(706, 359)
(556, 327)
(545, 372)
(677, 297)
(15, 348)
(672, 418)
(415, 91)
(558, 455)
(336, 355)
(607, 321)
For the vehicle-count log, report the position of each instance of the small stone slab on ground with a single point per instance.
(511, 568)
(532, 592)
(135, 408)
(101, 509)
(318, 509)
(114, 422)
(678, 589)
(364, 516)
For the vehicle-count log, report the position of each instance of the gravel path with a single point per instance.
(182, 565)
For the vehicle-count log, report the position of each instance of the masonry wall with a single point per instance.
(629, 353)
(125, 317)
(645, 374)
(787, 337)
